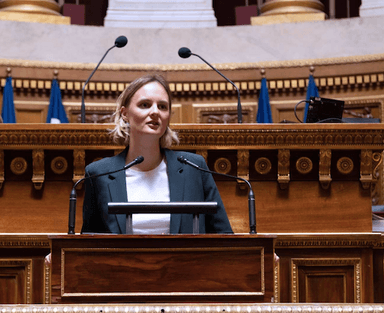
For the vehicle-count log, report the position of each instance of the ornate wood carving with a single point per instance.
(243, 167)
(21, 277)
(325, 168)
(283, 175)
(38, 168)
(78, 165)
(2, 178)
(199, 307)
(366, 170)
(308, 262)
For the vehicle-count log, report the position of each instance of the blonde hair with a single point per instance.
(120, 133)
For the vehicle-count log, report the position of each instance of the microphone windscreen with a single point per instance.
(139, 159)
(184, 52)
(121, 41)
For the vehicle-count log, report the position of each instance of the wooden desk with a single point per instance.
(164, 268)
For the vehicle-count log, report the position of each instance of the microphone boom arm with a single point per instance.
(251, 195)
(239, 112)
(73, 194)
(85, 84)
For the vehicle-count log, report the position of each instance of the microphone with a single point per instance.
(120, 42)
(251, 196)
(73, 195)
(186, 53)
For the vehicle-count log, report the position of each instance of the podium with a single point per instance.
(162, 268)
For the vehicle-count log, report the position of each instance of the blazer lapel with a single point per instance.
(117, 187)
(176, 180)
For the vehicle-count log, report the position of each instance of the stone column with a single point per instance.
(289, 11)
(42, 11)
(371, 8)
(160, 14)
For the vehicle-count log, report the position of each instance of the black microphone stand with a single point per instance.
(119, 42)
(251, 195)
(85, 84)
(73, 194)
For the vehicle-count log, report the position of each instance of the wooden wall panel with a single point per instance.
(15, 281)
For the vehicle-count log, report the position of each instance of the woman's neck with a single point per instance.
(150, 151)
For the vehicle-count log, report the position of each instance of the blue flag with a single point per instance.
(311, 92)
(56, 111)
(264, 109)
(8, 110)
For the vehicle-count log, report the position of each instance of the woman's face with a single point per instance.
(148, 112)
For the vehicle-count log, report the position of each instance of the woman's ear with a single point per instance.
(123, 112)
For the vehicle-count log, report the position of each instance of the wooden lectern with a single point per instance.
(162, 268)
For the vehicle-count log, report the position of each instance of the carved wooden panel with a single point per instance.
(15, 281)
(326, 280)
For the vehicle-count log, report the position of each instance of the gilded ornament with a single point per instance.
(19, 165)
(222, 165)
(59, 165)
(263, 166)
(304, 165)
(345, 165)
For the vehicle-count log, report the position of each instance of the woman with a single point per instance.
(142, 118)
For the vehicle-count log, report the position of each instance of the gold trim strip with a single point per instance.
(194, 67)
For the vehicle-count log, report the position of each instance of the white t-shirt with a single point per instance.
(149, 186)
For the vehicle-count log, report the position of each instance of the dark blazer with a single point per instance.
(185, 182)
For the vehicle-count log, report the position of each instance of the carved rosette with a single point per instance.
(59, 165)
(283, 174)
(263, 166)
(325, 168)
(19, 165)
(345, 165)
(222, 166)
(38, 168)
(304, 165)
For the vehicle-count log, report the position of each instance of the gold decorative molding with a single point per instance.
(40, 11)
(48, 7)
(196, 308)
(47, 284)
(276, 279)
(328, 240)
(272, 7)
(38, 168)
(283, 174)
(24, 241)
(192, 67)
